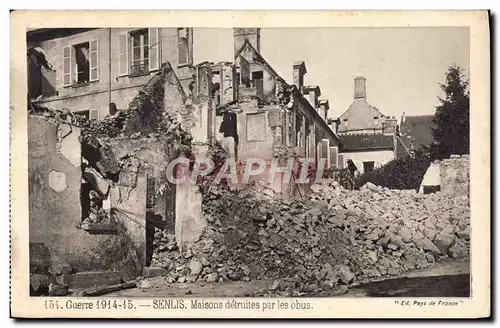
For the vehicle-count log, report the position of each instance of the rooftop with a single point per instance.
(362, 141)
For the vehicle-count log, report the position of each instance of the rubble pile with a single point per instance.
(336, 236)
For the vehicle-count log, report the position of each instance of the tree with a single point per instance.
(400, 173)
(451, 131)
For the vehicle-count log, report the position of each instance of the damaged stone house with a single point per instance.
(96, 193)
(95, 71)
(260, 115)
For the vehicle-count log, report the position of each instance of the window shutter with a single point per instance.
(334, 157)
(123, 54)
(67, 66)
(341, 161)
(94, 114)
(182, 46)
(154, 48)
(94, 60)
(325, 151)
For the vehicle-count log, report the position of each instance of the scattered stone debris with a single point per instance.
(334, 238)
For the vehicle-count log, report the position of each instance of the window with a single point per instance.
(139, 51)
(183, 51)
(81, 63)
(84, 113)
(92, 114)
(258, 83)
(346, 122)
(368, 166)
(82, 67)
(375, 120)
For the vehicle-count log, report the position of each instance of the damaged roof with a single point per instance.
(358, 142)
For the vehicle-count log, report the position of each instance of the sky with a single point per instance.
(402, 66)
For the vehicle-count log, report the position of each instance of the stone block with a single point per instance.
(464, 234)
(345, 275)
(443, 241)
(97, 181)
(153, 272)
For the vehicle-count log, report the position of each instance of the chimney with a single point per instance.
(299, 70)
(334, 124)
(359, 87)
(242, 34)
(314, 92)
(403, 118)
(324, 106)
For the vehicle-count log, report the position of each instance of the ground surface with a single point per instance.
(445, 279)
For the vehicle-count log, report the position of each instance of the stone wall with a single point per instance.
(454, 175)
(54, 168)
(189, 222)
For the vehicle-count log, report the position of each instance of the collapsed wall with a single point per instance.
(55, 213)
(454, 175)
(335, 237)
(98, 189)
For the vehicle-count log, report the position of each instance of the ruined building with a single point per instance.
(244, 104)
(106, 103)
(260, 115)
(96, 71)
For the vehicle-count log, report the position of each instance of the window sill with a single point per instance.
(138, 74)
(184, 65)
(77, 85)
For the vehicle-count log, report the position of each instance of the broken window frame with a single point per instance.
(257, 82)
(183, 46)
(82, 63)
(70, 69)
(291, 131)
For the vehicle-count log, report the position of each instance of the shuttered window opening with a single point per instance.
(94, 115)
(139, 50)
(81, 63)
